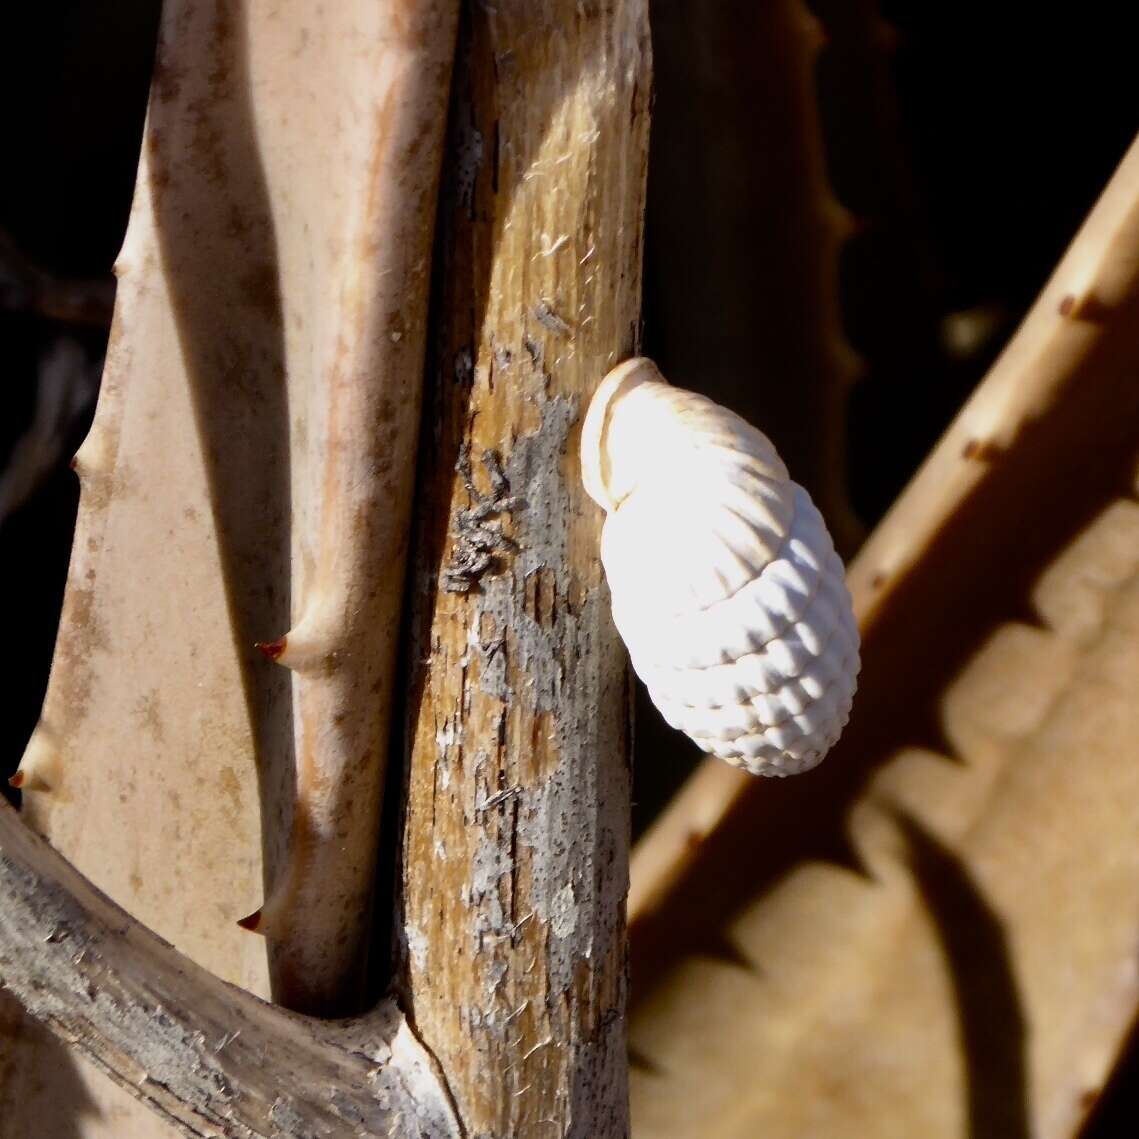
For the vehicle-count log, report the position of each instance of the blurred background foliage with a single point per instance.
(963, 144)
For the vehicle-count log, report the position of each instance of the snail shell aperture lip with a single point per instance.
(725, 584)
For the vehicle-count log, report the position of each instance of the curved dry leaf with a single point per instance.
(934, 934)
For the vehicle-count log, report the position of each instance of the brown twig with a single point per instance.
(515, 843)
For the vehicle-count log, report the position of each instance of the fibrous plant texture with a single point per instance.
(280, 343)
(515, 844)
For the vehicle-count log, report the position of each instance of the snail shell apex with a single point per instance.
(725, 585)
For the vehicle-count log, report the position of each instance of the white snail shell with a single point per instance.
(726, 587)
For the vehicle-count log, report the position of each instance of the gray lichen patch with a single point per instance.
(533, 469)
(561, 806)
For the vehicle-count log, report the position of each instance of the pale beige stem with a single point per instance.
(249, 468)
(355, 378)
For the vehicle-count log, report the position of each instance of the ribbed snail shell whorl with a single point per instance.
(726, 587)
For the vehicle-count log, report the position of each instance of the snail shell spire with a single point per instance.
(725, 584)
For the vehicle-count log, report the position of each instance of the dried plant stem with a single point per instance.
(248, 479)
(515, 849)
(207, 1057)
(357, 400)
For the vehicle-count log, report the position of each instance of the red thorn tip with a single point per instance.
(273, 650)
(251, 922)
(17, 780)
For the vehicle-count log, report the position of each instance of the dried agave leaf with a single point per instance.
(979, 978)
(274, 255)
(934, 934)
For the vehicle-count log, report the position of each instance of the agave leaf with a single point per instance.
(934, 934)
(251, 459)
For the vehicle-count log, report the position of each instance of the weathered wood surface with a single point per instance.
(515, 846)
(208, 1058)
(935, 932)
(275, 271)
